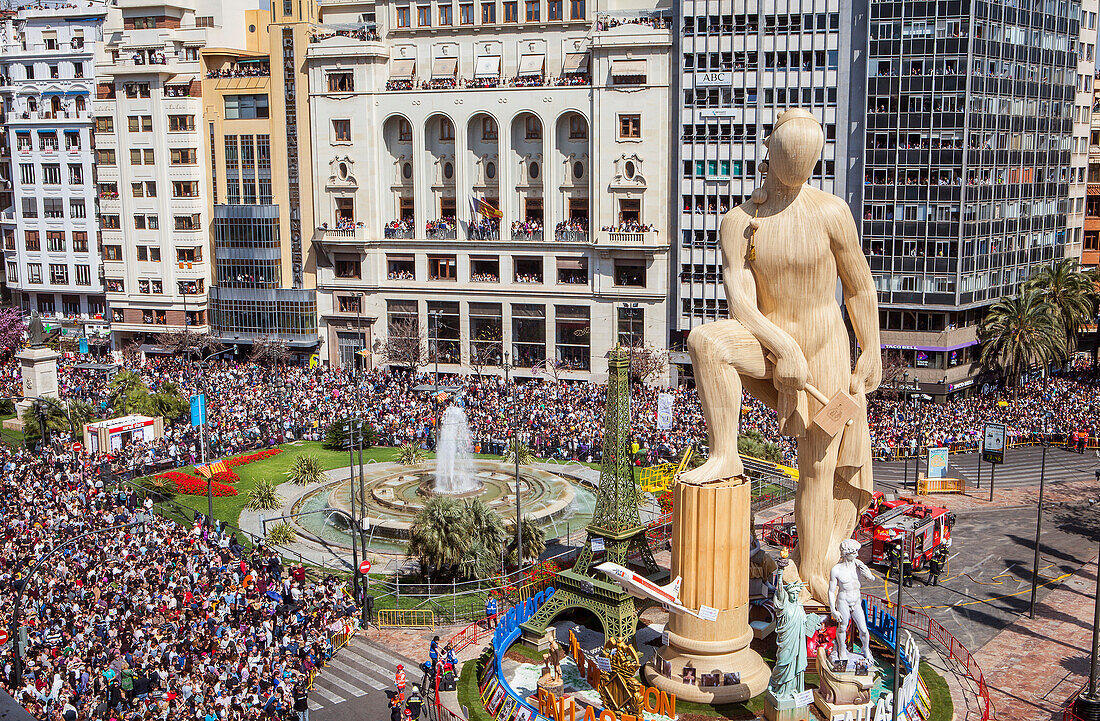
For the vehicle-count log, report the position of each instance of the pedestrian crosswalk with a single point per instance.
(360, 669)
(1022, 467)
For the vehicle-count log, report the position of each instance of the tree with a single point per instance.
(281, 534)
(81, 412)
(1019, 332)
(305, 469)
(126, 390)
(485, 351)
(440, 535)
(893, 373)
(487, 536)
(12, 330)
(753, 443)
(534, 540)
(647, 362)
(338, 436)
(263, 497)
(167, 402)
(405, 345)
(1070, 294)
(551, 367)
(411, 454)
(184, 341)
(56, 421)
(515, 447)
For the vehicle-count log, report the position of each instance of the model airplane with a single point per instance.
(639, 586)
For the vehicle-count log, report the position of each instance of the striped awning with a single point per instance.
(576, 63)
(488, 66)
(403, 69)
(531, 65)
(444, 67)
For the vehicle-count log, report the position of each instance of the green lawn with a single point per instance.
(939, 695)
(468, 695)
(11, 438)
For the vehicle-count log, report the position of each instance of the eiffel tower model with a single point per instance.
(616, 533)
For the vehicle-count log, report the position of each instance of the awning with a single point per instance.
(572, 263)
(182, 79)
(576, 63)
(77, 92)
(151, 349)
(488, 66)
(531, 65)
(47, 131)
(444, 67)
(403, 69)
(51, 93)
(22, 132)
(627, 68)
(400, 258)
(73, 130)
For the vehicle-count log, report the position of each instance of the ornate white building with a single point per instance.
(428, 117)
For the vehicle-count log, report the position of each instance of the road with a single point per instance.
(353, 686)
(1021, 468)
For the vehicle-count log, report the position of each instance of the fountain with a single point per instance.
(454, 471)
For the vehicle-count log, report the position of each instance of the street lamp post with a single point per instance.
(895, 706)
(1088, 706)
(514, 432)
(1039, 518)
(352, 425)
(905, 395)
(202, 438)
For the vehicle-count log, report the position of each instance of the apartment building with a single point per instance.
(256, 118)
(742, 64)
(967, 167)
(492, 177)
(152, 160)
(1082, 127)
(47, 81)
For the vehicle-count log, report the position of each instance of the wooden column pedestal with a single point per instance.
(710, 551)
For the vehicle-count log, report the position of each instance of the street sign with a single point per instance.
(364, 567)
(3, 636)
(198, 409)
(77, 448)
(993, 444)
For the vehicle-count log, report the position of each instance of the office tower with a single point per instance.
(152, 161)
(49, 221)
(967, 167)
(1082, 125)
(491, 177)
(256, 121)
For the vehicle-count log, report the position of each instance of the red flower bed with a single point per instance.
(196, 486)
(665, 501)
(250, 457)
(226, 477)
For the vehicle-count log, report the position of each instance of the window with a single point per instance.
(446, 130)
(47, 142)
(553, 10)
(9, 239)
(444, 340)
(59, 273)
(105, 125)
(110, 222)
(466, 14)
(184, 156)
(26, 173)
(77, 209)
(631, 327)
(340, 83)
(532, 129)
(51, 174)
(80, 241)
(511, 11)
(573, 271)
(139, 224)
(424, 16)
(30, 240)
(72, 141)
(148, 253)
(30, 71)
(30, 207)
(576, 9)
(349, 303)
(187, 222)
(105, 157)
(55, 241)
(485, 269)
(630, 272)
(188, 255)
(528, 334)
(527, 269)
(341, 130)
(185, 188)
(53, 207)
(145, 23)
(140, 123)
(488, 129)
(404, 131)
(24, 142)
(83, 274)
(178, 123)
(630, 127)
(76, 174)
(578, 128)
(531, 11)
(445, 15)
(112, 252)
(35, 271)
(442, 267)
(147, 154)
(573, 336)
(488, 12)
(403, 17)
(348, 265)
(245, 107)
(13, 273)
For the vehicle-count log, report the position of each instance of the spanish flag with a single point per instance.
(485, 209)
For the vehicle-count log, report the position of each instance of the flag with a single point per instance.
(210, 469)
(487, 210)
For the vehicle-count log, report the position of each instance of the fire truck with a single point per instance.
(922, 529)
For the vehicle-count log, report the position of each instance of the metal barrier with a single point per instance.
(940, 485)
(406, 617)
(338, 641)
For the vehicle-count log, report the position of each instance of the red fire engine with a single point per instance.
(922, 529)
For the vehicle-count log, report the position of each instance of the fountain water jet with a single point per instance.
(454, 471)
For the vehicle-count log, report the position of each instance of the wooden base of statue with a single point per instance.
(710, 551)
(839, 692)
(786, 710)
(555, 686)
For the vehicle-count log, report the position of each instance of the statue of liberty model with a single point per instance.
(788, 678)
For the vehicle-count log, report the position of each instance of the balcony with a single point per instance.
(571, 236)
(398, 229)
(33, 116)
(442, 229)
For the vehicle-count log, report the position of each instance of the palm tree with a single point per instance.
(411, 454)
(305, 469)
(1019, 332)
(526, 456)
(1070, 293)
(440, 534)
(263, 497)
(126, 388)
(80, 411)
(485, 524)
(534, 541)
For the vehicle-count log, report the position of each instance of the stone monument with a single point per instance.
(784, 252)
(788, 680)
(37, 366)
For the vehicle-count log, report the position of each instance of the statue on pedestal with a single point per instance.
(845, 602)
(794, 627)
(784, 252)
(36, 332)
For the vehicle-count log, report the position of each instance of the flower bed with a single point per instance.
(226, 477)
(251, 457)
(196, 486)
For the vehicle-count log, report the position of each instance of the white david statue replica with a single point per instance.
(845, 602)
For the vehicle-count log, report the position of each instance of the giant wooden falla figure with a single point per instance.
(787, 345)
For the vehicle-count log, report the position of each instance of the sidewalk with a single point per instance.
(1035, 665)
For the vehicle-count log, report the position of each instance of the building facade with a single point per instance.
(1082, 130)
(967, 167)
(152, 161)
(256, 115)
(492, 179)
(1090, 249)
(51, 256)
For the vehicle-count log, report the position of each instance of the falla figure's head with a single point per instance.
(794, 147)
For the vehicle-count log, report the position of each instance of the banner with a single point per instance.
(83, 345)
(993, 443)
(198, 409)
(937, 462)
(664, 411)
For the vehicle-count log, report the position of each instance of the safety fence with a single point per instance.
(934, 632)
(972, 446)
(406, 618)
(940, 485)
(335, 642)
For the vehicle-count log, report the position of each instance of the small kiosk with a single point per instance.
(116, 433)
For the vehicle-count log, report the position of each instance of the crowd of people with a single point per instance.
(246, 70)
(446, 226)
(526, 228)
(133, 616)
(629, 226)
